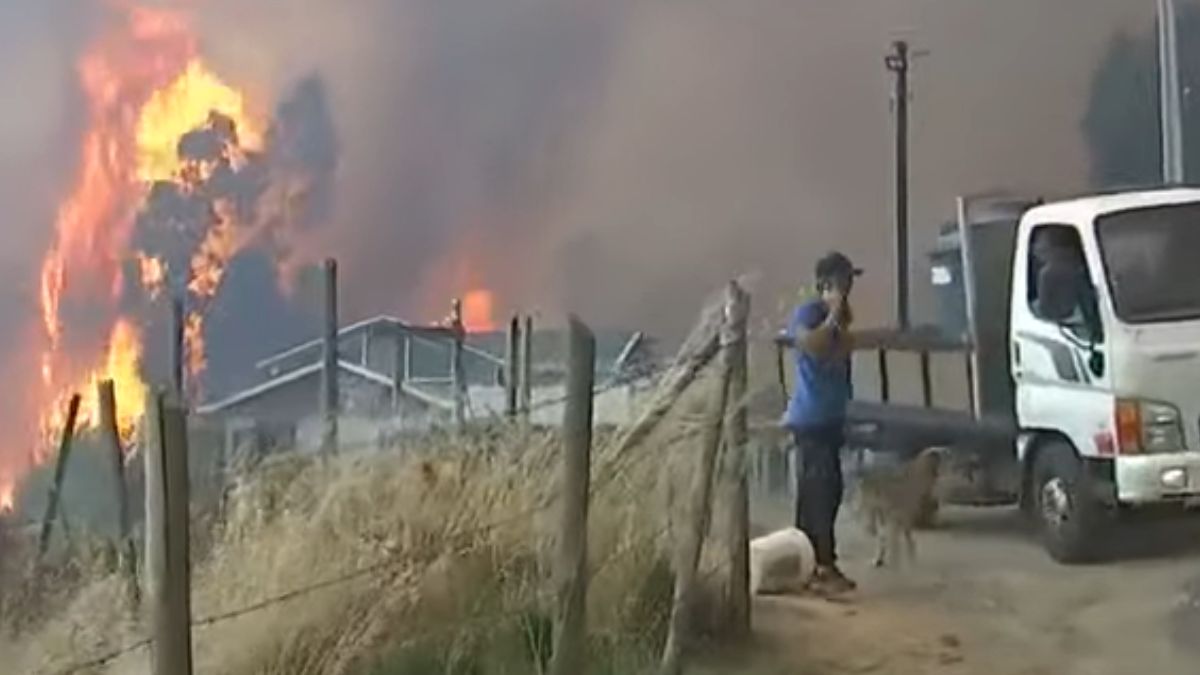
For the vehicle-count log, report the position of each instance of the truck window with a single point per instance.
(1150, 260)
(1055, 251)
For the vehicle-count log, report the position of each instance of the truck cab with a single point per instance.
(1077, 326)
(1104, 333)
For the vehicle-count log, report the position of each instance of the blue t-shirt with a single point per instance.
(822, 386)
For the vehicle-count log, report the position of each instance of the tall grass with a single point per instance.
(439, 550)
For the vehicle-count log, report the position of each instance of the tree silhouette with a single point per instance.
(1121, 125)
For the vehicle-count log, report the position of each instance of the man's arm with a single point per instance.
(817, 332)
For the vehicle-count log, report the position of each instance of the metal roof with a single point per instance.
(312, 369)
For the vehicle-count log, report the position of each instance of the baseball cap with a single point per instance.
(836, 264)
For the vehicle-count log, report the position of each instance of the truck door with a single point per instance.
(1062, 385)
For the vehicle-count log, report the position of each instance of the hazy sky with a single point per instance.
(621, 158)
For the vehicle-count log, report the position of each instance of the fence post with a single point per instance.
(691, 541)
(570, 633)
(329, 362)
(885, 381)
(735, 488)
(167, 568)
(60, 470)
(111, 435)
(458, 378)
(512, 367)
(176, 348)
(926, 380)
(527, 369)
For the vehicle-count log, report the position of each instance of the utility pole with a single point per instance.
(897, 61)
(1170, 105)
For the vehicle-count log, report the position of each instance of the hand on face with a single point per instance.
(836, 298)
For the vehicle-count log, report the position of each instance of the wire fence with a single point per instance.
(378, 568)
(610, 468)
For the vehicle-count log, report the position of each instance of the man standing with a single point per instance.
(819, 332)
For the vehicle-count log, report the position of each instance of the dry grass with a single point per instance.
(455, 533)
(439, 549)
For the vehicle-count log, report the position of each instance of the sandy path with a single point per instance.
(985, 599)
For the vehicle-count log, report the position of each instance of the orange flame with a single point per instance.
(7, 497)
(182, 106)
(153, 272)
(145, 88)
(479, 311)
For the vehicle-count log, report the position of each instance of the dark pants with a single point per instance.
(819, 487)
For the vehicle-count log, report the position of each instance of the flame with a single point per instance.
(193, 342)
(479, 311)
(145, 87)
(182, 106)
(153, 274)
(7, 497)
(122, 365)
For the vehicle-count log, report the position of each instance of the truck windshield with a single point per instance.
(1150, 255)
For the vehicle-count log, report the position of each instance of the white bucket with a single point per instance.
(781, 562)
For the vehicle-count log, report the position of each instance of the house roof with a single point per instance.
(382, 322)
(483, 351)
(308, 371)
(613, 348)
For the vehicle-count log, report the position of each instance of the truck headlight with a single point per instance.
(1148, 427)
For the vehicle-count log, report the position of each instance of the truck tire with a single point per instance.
(1068, 517)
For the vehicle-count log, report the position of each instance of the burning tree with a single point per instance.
(178, 173)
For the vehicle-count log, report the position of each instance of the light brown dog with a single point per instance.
(894, 501)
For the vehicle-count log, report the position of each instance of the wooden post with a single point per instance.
(167, 567)
(329, 363)
(458, 378)
(527, 369)
(54, 497)
(570, 634)
(885, 387)
(691, 540)
(398, 370)
(512, 367)
(111, 435)
(926, 380)
(735, 489)
(176, 349)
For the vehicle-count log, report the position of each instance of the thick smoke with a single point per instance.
(623, 158)
(620, 157)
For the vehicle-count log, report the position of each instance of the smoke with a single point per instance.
(456, 124)
(615, 158)
(622, 158)
(303, 148)
(776, 145)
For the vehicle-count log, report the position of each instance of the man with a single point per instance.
(819, 332)
(1062, 279)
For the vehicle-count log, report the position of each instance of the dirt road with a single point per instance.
(984, 599)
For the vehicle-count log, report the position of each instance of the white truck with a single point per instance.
(1081, 351)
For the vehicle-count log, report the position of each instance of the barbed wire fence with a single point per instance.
(717, 335)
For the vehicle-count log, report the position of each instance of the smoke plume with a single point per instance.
(617, 158)
(622, 158)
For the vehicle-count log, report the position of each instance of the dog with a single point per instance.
(896, 500)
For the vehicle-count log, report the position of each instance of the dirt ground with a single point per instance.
(984, 598)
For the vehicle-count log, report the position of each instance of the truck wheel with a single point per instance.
(1067, 516)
